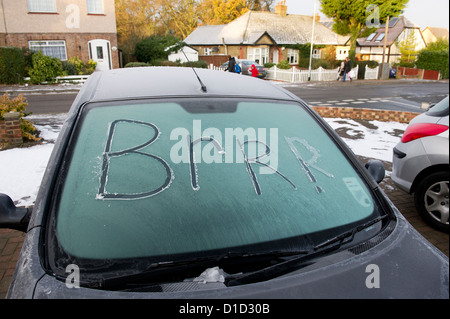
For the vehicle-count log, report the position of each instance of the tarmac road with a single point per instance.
(395, 95)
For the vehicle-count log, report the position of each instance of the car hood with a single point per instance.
(398, 263)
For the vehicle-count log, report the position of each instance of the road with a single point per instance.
(49, 102)
(395, 95)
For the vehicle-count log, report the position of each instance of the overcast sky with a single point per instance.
(424, 13)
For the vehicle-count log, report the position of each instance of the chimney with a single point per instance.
(281, 8)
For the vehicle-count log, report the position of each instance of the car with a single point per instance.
(245, 67)
(165, 182)
(420, 164)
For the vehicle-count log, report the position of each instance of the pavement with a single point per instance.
(11, 241)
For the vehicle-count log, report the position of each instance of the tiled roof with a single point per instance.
(248, 28)
(396, 26)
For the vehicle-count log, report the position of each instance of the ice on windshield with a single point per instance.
(159, 178)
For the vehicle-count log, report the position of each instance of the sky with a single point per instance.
(424, 13)
(22, 177)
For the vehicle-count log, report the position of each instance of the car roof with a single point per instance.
(148, 82)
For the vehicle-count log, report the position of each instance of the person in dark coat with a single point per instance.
(231, 65)
(347, 68)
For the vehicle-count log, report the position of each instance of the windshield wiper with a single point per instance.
(341, 239)
(286, 260)
(300, 261)
(181, 269)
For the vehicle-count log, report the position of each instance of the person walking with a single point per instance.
(231, 65)
(254, 71)
(347, 68)
(341, 71)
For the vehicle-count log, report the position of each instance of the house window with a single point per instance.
(207, 51)
(94, 6)
(55, 49)
(292, 56)
(316, 54)
(259, 55)
(380, 37)
(370, 37)
(42, 6)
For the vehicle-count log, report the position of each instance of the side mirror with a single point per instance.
(376, 170)
(11, 216)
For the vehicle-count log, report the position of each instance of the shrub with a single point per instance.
(45, 68)
(69, 68)
(12, 65)
(19, 104)
(434, 60)
(136, 64)
(160, 62)
(196, 64)
(154, 48)
(284, 64)
(81, 67)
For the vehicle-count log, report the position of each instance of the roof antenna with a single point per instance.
(203, 86)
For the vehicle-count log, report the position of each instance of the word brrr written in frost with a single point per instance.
(251, 148)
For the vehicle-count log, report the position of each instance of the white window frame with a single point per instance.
(42, 6)
(371, 36)
(317, 54)
(380, 37)
(207, 51)
(44, 45)
(259, 55)
(292, 56)
(94, 6)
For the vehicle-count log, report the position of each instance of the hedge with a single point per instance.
(434, 60)
(45, 68)
(12, 65)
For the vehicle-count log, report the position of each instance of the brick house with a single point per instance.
(62, 29)
(263, 37)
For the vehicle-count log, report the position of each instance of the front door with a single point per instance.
(100, 52)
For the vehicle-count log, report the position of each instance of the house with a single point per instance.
(432, 34)
(399, 29)
(262, 36)
(62, 29)
(185, 54)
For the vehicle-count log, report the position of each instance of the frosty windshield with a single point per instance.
(160, 178)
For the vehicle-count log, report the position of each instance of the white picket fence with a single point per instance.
(371, 74)
(79, 79)
(296, 75)
(72, 79)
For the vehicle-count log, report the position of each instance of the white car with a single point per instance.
(421, 164)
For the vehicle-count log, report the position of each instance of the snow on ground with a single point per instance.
(22, 169)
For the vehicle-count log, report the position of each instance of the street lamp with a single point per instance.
(312, 41)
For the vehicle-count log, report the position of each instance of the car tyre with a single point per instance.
(431, 199)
